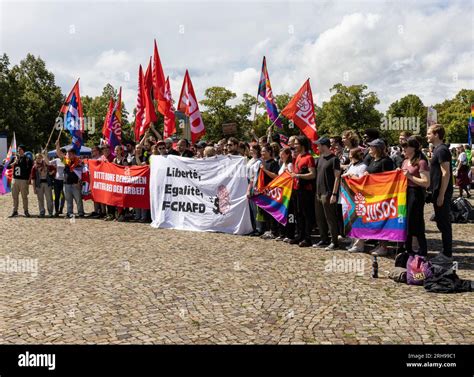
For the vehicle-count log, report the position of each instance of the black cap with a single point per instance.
(201, 144)
(323, 141)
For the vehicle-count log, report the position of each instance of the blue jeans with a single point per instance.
(73, 193)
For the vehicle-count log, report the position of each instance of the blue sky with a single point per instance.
(395, 47)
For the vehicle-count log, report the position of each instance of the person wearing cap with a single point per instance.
(200, 146)
(21, 166)
(379, 163)
(370, 135)
(328, 173)
(42, 175)
(161, 147)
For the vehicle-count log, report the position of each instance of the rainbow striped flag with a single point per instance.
(374, 206)
(275, 197)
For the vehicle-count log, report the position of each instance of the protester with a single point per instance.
(21, 166)
(379, 163)
(183, 150)
(441, 190)
(417, 172)
(370, 135)
(161, 147)
(270, 169)
(356, 169)
(303, 174)
(244, 149)
(253, 167)
(328, 171)
(462, 169)
(287, 232)
(42, 176)
(72, 181)
(169, 147)
(58, 184)
(233, 146)
(209, 152)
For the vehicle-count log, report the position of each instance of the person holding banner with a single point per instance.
(417, 172)
(253, 167)
(270, 170)
(356, 169)
(303, 174)
(287, 232)
(379, 162)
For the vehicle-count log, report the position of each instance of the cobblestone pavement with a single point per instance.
(101, 282)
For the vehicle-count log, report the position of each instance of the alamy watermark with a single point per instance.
(345, 265)
(75, 124)
(391, 123)
(14, 265)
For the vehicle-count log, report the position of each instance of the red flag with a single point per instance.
(170, 125)
(188, 104)
(150, 114)
(159, 83)
(139, 115)
(105, 127)
(301, 111)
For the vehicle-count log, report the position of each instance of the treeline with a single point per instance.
(30, 101)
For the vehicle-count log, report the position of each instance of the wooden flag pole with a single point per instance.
(52, 131)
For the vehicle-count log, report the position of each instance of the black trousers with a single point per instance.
(443, 222)
(58, 195)
(416, 220)
(304, 214)
(288, 230)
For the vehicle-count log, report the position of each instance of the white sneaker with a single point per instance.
(356, 249)
(380, 251)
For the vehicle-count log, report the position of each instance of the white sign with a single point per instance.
(200, 194)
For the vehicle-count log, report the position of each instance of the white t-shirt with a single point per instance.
(462, 158)
(358, 169)
(284, 167)
(59, 168)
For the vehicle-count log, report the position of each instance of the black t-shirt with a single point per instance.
(440, 154)
(270, 165)
(381, 165)
(325, 178)
(187, 153)
(367, 157)
(22, 169)
(173, 152)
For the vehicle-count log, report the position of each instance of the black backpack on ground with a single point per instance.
(445, 280)
(461, 211)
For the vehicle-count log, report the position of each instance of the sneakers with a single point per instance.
(355, 249)
(109, 218)
(267, 236)
(294, 241)
(380, 251)
(27, 214)
(321, 244)
(14, 214)
(41, 216)
(287, 240)
(332, 246)
(121, 219)
(279, 238)
(304, 243)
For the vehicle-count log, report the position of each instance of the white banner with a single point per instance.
(200, 194)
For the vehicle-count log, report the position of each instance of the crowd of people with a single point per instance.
(314, 202)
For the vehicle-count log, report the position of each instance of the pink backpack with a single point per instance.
(418, 269)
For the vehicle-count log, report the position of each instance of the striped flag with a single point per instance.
(265, 91)
(5, 184)
(74, 117)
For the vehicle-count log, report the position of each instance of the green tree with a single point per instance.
(350, 107)
(454, 115)
(410, 109)
(40, 100)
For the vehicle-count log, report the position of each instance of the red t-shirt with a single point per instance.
(303, 161)
(415, 170)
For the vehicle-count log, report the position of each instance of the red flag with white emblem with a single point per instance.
(301, 111)
(188, 104)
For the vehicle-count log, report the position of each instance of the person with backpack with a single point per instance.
(417, 172)
(441, 190)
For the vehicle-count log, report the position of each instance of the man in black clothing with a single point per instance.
(270, 169)
(442, 190)
(328, 172)
(22, 166)
(169, 147)
(183, 149)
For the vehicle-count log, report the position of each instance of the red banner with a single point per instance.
(120, 186)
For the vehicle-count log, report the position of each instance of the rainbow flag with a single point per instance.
(5, 184)
(265, 91)
(275, 197)
(374, 206)
(470, 128)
